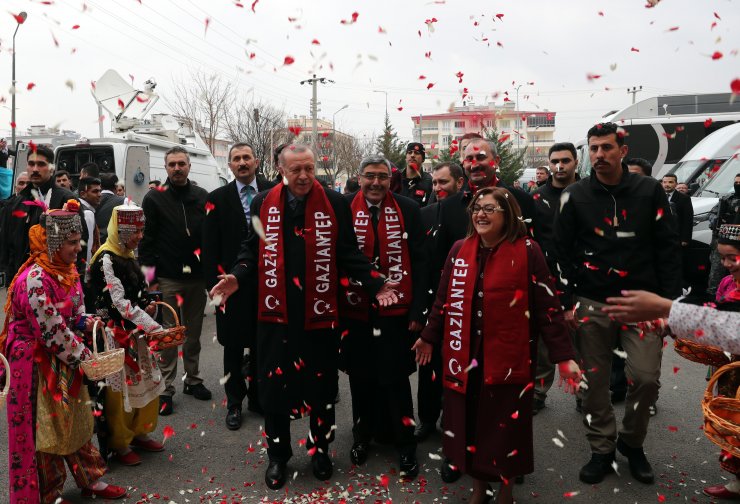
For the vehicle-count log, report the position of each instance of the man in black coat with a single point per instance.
(376, 344)
(108, 201)
(683, 212)
(18, 217)
(228, 222)
(302, 225)
(448, 179)
(414, 182)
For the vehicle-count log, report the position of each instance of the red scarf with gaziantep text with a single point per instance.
(320, 283)
(395, 260)
(504, 319)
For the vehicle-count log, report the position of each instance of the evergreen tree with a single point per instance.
(511, 162)
(390, 146)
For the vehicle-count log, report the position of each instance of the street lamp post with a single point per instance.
(386, 99)
(334, 142)
(518, 119)
(20, 19)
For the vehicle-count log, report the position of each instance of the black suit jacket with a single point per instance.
(104, 212)
(224, 229)
(684, 215)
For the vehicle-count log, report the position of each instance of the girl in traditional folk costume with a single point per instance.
(50, 421)
(728, 291)
(131, 397)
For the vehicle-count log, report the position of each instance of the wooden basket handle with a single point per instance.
(95, 340)
(6, 389)
(174, 313)
(713, 380)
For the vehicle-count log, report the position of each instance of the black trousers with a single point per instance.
(236, 386)
(375, 406)
(429, 392)
(277, 428)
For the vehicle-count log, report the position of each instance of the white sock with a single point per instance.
(99, 485)
(733, 486)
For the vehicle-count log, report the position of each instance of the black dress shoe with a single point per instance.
(358, 453)
(234, 418)
(199, 391)
(599, 466)
(165, 405)
(449, 472)
(409, 466)
(424, 430)
(275, 475)
(537, 405)
(519, 480)
(579, 405)
(322, 466)
(640, 468)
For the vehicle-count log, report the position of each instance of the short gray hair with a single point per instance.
(377, 159)
(177, 150)
(296, 148)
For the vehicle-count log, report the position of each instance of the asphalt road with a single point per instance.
(205, 462)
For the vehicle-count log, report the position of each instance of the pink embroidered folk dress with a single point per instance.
(42, 319)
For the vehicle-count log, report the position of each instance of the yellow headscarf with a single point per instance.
(112, 243)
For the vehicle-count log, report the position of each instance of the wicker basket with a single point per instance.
(703, 354)
(722, 414)
(4, 392)
(170, 337)
(105, 363)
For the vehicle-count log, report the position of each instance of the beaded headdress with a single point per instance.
(130, 220)
(729, 234)
(60, 224)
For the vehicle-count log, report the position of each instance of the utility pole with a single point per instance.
(634, 91)
(315, 104)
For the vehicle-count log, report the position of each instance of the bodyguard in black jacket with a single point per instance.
(226, 226)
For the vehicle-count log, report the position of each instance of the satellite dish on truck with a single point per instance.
(120, 99)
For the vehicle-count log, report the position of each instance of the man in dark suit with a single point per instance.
(307, 238)
(108, 201)
(228, 222)
(18, 216)
(376, 345)
(681, 208)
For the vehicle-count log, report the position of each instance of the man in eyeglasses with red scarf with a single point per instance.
(376, 344)
(303, 239)
(480, 162)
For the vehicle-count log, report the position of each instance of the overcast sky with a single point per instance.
(667, 49)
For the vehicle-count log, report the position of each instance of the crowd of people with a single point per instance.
(481, 287)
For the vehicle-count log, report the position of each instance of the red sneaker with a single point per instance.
(149, 445)
(129, 459)
(109, 492)
(721, 492)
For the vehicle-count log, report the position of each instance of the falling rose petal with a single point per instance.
(196, 252)
(224, 379)
(384, 480)
(568, 495)
(297, 282)
(257, 227)
(659, 214)
(289, 60)
(518, 295)
(315, 42)
(558, 442)
(592, 77)
(168, 432)
(179, 299)
(207, 23)
(209, 207)
(708, 122)
(634, 49)
(254, 4)
(434, 456)
(717, 55)
(121, 105)
(673, 428)
(408, 422)
(515, 415)
(355, 15)
(19, 213)
(30, 86)
(76, 27)
(430, 85)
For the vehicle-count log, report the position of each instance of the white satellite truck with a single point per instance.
(134, 148)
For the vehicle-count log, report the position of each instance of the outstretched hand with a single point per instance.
(570, 376)
(638, 306)
(423, 352)
(226, 286)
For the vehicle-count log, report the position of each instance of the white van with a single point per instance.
(663, 129)
(706, 158)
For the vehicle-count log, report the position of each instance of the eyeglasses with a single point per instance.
(487, 209)
(380, 177)
(40, 164)
(561, 161)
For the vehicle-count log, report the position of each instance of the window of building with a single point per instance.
(489, 123)
(446, 125)
(538, 121)
(459, 124)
